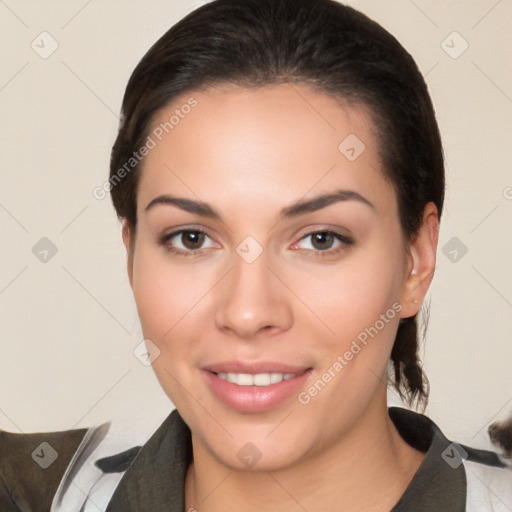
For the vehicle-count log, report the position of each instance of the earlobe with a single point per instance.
(128, 243)
(422, 262)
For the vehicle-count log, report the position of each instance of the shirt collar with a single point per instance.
(440, 481)
(155, 479)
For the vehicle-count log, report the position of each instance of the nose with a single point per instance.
(252, 299)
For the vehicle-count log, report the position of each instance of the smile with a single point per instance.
(255, 392)
(258, 379)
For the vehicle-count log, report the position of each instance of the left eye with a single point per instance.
(322, 241)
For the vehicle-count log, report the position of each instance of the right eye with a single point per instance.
(191, 241)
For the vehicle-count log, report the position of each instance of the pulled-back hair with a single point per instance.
(334, 49)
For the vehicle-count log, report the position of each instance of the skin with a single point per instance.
(249, 153)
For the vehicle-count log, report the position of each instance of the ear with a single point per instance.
(128, 240)
(422, 261)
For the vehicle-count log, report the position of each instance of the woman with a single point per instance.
(279, 175)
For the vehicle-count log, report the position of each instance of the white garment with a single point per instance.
(488, 488)
(86, 488)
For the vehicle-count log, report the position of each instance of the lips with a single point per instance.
(255, 393)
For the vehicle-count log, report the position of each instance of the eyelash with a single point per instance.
(345, 242)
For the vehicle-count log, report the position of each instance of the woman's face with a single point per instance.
(257, 293)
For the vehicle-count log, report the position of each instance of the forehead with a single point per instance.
(282, 140)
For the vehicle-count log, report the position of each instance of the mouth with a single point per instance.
(249, 388)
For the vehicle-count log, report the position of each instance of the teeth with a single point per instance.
(258, 379)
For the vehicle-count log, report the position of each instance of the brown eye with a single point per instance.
(188, 242)
(192, 239)
(322, 240)
(326, 242)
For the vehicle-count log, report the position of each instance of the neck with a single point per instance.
(368, 468)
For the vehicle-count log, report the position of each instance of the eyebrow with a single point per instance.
(295, 209)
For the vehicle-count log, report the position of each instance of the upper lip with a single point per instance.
(254, 367)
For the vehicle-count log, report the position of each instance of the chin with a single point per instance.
(251, 458)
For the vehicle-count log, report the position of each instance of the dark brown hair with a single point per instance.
(329, 46)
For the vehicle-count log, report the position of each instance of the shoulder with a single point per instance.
(32, 465)
(453, 476)
(62, 471)
(102, 460)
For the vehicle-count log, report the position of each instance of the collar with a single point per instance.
(440, 482)
(155, 480)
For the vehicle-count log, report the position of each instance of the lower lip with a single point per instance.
(255, 398)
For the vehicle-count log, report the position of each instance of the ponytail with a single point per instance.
(409, 379)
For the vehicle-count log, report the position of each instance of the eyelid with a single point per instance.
(310, 230)
(180, 229)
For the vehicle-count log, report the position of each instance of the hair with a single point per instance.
(335, 50)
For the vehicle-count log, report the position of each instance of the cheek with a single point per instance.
(166, 296)
(353, 294)
(360, 303)
(170, 310)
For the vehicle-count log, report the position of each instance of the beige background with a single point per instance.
(69, 326)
